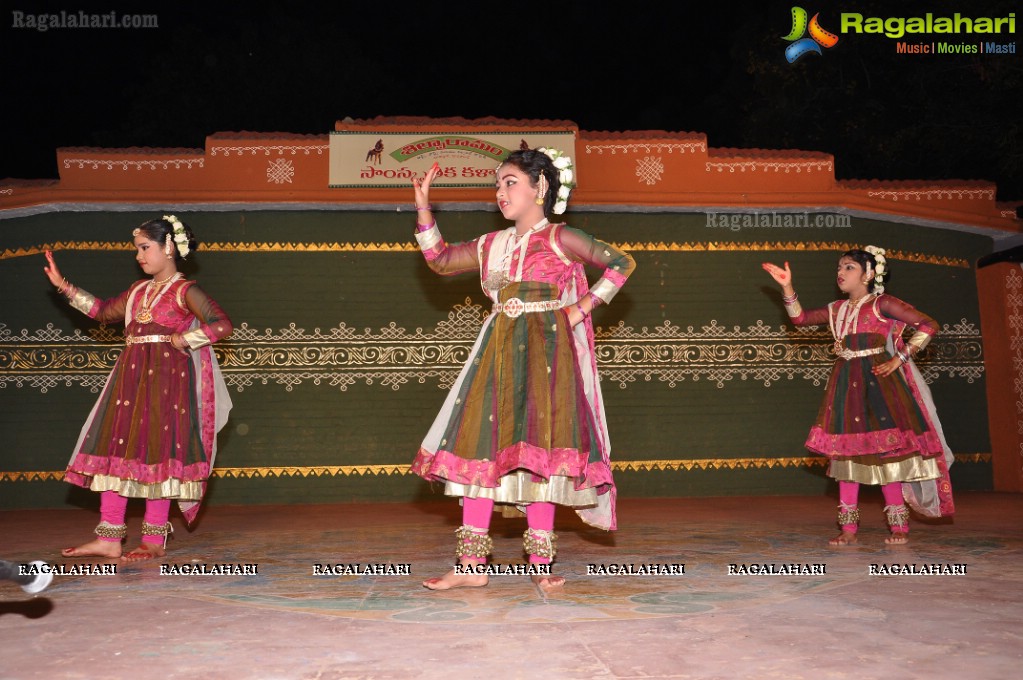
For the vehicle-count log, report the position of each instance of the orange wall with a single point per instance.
(240, 168)
(1000, 291)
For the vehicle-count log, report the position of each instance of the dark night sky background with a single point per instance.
(716, 68)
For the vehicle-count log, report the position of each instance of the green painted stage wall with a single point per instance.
(341, 355)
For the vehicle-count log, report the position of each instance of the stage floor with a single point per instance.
(287, 622)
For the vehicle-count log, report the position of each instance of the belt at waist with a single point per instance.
(847, 353)
(139, 339)
(516, 307)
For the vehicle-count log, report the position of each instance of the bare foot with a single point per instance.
(456, 579)
(844, 538)
(145, 551)
(897, 538)
(95, 548)
(547, 583)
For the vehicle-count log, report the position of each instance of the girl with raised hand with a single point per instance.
(877, 424)
(523, 427)
(152, 432)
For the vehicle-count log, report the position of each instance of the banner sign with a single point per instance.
(366, 158)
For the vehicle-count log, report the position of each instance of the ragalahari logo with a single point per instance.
(801, 46)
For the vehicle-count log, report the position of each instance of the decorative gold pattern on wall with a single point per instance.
(403, 470)
(411, 246)
(760, 352)
(393, 356)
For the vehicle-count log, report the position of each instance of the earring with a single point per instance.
(541, 189)
(167, 245)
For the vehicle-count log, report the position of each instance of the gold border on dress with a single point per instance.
(519, 487)
(428, 239)
(913, 469)
(919, 340)
(196, 338)
(604, 290)
(130, 488)
(83, 301)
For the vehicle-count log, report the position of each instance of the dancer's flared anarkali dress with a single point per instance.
(152, 432)
(880, 430)
(524, 421)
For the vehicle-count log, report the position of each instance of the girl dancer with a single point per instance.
(152, 433)
(877, 424)
(524, 424)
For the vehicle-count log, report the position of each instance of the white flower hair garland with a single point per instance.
(180, 237)
(879, 270)
(566, 175)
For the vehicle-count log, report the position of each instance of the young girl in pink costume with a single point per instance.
(524, 426)
(877, 424)
(152, 432)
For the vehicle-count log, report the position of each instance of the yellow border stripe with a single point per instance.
(618, 466)
(337, 247)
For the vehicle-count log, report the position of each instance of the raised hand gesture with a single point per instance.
(52, 273)
(422, 189)
(782, 276)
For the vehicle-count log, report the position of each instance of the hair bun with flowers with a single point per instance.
(880, 270)
(566, 176)
(179, 236)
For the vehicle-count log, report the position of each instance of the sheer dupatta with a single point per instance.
(932, 497)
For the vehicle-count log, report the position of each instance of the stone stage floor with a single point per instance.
(287, 622)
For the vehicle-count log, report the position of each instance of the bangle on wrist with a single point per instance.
(426, 209)
(579, 305)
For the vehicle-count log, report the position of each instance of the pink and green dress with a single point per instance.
(524, 421)
(880, 430)
(152, 432)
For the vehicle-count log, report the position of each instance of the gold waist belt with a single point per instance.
(139, 339)
(847, 353)
(516, 307)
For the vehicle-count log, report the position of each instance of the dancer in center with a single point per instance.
(523, 425)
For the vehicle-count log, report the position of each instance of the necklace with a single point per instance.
(154, 288)
(848, 320)
(498, 274)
